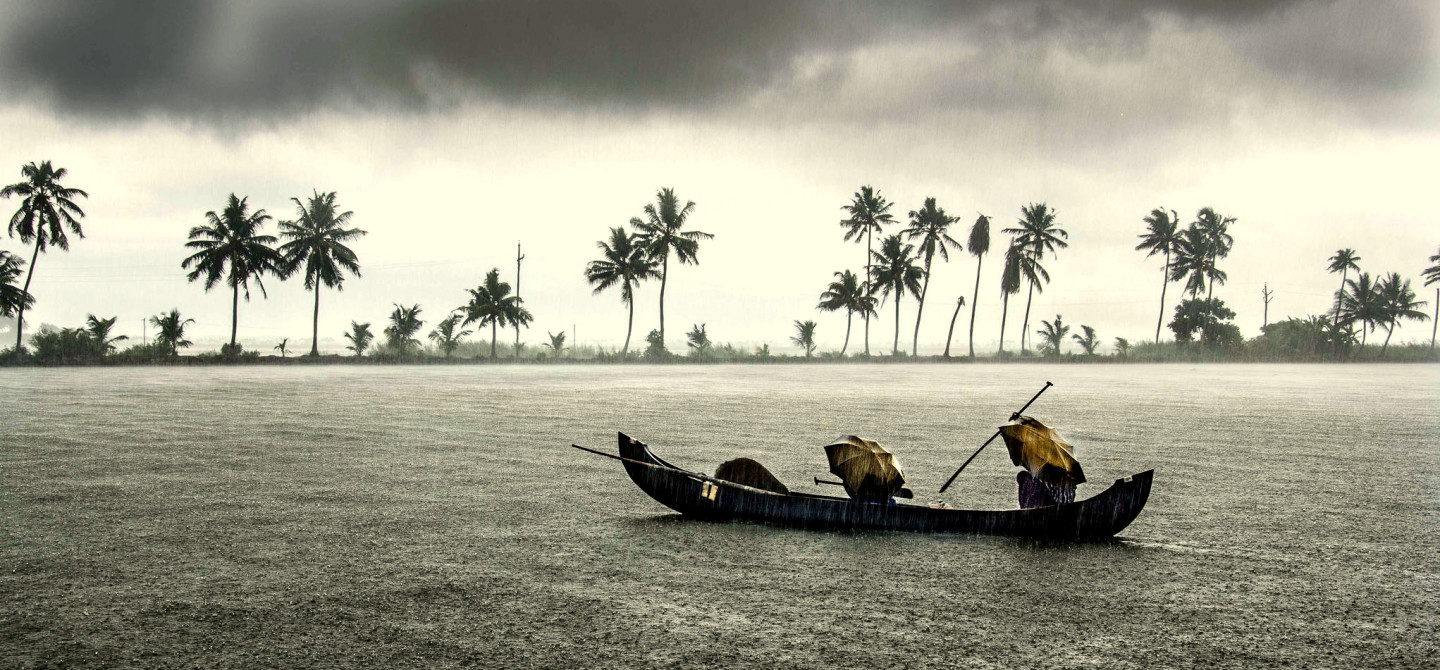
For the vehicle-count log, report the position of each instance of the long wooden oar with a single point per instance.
(992, 438)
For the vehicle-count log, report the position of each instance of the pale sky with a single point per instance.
(455, 130)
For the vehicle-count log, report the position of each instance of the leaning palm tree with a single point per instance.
(1089, 341)
(360, 338)
(623, 261)
(1215, 228)
(446, 336)
(491, 303)
(1052, 335)
(698, 340)
(1432, 276)
(316, 240)
(1037, 234)
(1162, 235)
(171, 329)
(99, 331)
(846, 293)
(1362, 303)
(13, 299)
(895, 273)
(950, 334)
(1399, 303)
(283, 347)
(1009, 285)
(931, 225)
(232, 247)
(660, 233)
(979, 245)
(1343, 262)
(404, 323)
(1122, 347)
(805, 336)
(868, 212)
(46, 209)
(1193, 261)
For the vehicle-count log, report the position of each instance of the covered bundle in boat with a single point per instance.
(868, 470)
(1042, 452)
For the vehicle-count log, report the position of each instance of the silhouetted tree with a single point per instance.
(1343, 262)
(868, 212)
(1399, 302)
(1052, 336)
(1362, 303)
(896, 273)
(1009, 285)
(623, 261)
(1089, 341)
(1432, 276)
(232, 247)
(171, 331)
(931, 225)
(1162, 235)
(846, 293)
(1036, 235)
(404, 323)
(446, 334)
(46, 209)
(979, 245)
(360, 338)
(659, 232)
(316, 240)
(99, 331)
(805, 336)
(491, 303)
(13, 299)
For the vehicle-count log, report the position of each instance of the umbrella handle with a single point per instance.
(1013, 416)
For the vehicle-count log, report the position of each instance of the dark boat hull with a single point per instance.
(701, 496)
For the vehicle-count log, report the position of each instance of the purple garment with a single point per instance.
(1038, 493)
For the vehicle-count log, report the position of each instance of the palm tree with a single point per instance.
(99, 331)
(805, 336)
(622, 261)
(445, 336)
(931, 226)
(46, 210)
(283, 347)
(949, 335)
(1122, 347)
(1343, 262)
(1215, 228)
(233, 247)
(697, 339)
(556, 343)
(1009, 284)
(846, 293)
(491, 303)
(1432, 276)
(660, 233)
(1193, 262)
(1089, 342)
(13, 300)
(317, 240)
(1362, 302)
(979, 245)
(1162, 235)
(360, 338)
(868, 211)
(1399, 303)
(896, 272)
(1036, 235)
(404, 323)
(171, 331)
(1053, 334)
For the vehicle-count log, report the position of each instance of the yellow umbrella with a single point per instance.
(1040, 450)
(866, 468)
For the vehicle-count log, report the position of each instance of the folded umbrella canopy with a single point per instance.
(1041, 451)
(868, 471)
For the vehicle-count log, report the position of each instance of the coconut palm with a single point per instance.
(1052, 335)
(171, 329)
(283, 347)
(623, 261)
(445, 334)
(660, 233)
(846, 293)
(1215, 228)
(1122, 347)
(232, 247)
(1162, 235)
(404, 323)
(950, 334)
(99, 332)
(931, 225)
(895, 273)
(1009, 285)
(1362, 302)
(805, 336)
(1432, 276)
(556, 343)
(868, 212)
(491, 303)
(360, 338)
(316, 240)
(13, 299)
(1037, 234)
(1089, 341)
(1343, 262)
(979, 245)
(697, 339)
(1202, 244)
(46, 209)
(1399, 302)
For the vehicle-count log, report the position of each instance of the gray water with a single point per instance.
(435, 516)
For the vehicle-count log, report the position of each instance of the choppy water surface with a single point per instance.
(436, 516)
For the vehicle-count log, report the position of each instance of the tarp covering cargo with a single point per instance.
(868, 471)
(750, 472)
(1042, 452)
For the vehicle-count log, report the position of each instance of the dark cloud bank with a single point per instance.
(262, 59)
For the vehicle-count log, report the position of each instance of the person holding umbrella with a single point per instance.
(1050, 472)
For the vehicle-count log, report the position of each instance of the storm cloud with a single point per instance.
(231, 61)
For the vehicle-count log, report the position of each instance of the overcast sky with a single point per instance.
(455, 129)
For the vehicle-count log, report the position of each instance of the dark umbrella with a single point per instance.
(1041, 451)
(866, 468)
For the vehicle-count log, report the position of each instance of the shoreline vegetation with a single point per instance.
(231, 250)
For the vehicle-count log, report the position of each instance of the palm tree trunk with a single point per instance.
(974, 302)
(1004, 312)
(915, 341)
(1340, 293)
(664, 274)
(494, 333)
(1164, 284)
(626, 350)
(1025, 325)
(234, 316)
(1389, 330)
(951, 335)
(315, 326)
(895, 347)
(1435, 323)
(849, 316)
(868, 250)
(25, 293)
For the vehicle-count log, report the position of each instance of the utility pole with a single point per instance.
(518, 257)
(1267, 294)
(144, 334)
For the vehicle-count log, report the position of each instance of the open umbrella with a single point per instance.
(866, 468)
(1041, 451)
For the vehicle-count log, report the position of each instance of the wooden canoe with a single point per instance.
(702, 496)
